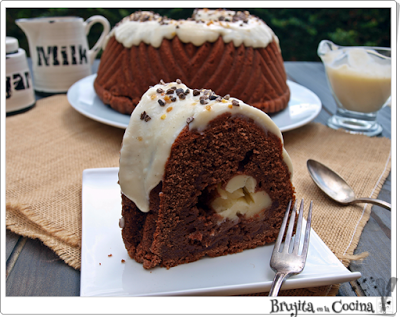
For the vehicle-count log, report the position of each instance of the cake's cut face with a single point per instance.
(226, 51)
(200, 175)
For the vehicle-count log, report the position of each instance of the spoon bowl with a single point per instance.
(336, 187)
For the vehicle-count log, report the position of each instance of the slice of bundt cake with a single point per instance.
(226, 51)
(200, 175)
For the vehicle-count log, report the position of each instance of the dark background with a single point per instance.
(299, 30)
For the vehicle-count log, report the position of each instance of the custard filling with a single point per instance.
(240, 197)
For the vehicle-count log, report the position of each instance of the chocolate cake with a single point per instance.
(200, 175)
(226, 51)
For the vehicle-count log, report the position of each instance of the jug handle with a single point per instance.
(106, 29)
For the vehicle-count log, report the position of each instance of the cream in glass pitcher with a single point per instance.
(360, 81)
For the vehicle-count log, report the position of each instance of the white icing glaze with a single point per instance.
(147, 142)
(254, 32)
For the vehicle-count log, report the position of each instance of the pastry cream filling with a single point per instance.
(239, 197)
(157, 121)
(205, 28)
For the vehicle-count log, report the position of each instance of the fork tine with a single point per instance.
(286, 264)
(298, 228)
(283, 228)
(290, 229)
(307, 233)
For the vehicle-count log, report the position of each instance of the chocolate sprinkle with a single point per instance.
(196, 92)
(235, 103)
(173, 99)
(226, 97)
(213, 97)
(161, 102)
(170, 91)
(203, 101)
(144, 116)
(160, 90)
(179, 81)
(179, 91)
(182, 96)
(190, 119)
(162, 82)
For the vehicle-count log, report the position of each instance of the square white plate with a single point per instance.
(103, 273)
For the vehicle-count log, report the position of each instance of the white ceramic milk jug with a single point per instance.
(59, 50)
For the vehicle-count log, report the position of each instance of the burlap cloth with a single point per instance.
(48, 147)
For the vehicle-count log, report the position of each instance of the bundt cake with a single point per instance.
(226, 51)
(200, 175)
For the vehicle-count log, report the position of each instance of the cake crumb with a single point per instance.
(99, 263)
(110, 255)
(122, 261)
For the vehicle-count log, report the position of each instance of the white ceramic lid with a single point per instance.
(11, 45)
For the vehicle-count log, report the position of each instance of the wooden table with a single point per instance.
(33, 269)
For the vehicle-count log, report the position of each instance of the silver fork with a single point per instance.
(288, 261)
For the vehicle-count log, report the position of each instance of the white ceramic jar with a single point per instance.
(19, 88)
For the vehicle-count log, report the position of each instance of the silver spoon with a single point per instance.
(336, 187)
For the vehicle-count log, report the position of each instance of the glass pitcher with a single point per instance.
(360, 81)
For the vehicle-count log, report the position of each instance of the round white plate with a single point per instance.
(303, 107)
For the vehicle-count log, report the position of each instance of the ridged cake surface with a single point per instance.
(238, 55)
